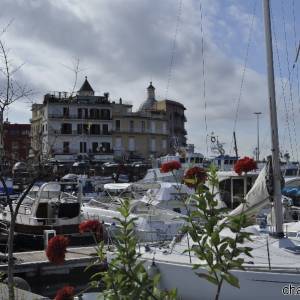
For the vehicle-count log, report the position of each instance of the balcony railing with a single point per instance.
(75, 132)
(78, 117)
(138, 130)
(76, 152)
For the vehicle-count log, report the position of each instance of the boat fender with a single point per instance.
(20, 283)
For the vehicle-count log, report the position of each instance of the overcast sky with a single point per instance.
(122, 45)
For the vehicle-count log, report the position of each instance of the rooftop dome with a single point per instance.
(150, 101)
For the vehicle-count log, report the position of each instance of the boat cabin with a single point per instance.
(233, 187)
(225, 162)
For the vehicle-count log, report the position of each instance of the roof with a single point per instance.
(86, 86)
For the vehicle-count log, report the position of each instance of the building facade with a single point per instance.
(140, 134)
(176, 121)
(156, 129)
(16, 138)
(68, 128)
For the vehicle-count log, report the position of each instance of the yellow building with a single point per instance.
(156, 129)
(138, 134)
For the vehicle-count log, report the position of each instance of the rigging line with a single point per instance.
(203, 76)
(237, 102)
(289, 80)
(295, 38)
(282, 83)
(173, 49)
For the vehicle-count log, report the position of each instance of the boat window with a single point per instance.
(182, 160)
(225, 192)
(197, 160)
(238, 192)
(291, 172)
(226, 162)
(42, 210)
(50, 194)
(177, 209)
(68, 210)
(192, 159)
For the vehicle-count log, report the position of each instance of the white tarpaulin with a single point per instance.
(256, 198)
(117, 186)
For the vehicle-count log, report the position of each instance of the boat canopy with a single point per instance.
(167, 191)
(117, 186)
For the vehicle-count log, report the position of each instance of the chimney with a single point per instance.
(120, 101)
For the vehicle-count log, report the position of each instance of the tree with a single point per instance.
(14, 209)
(10, 89)
(126, 277)
(218, 254)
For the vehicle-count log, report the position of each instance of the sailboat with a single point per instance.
(273, 272)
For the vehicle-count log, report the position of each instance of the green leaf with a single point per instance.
(231, 279)
(208, 278)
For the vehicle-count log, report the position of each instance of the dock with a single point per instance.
(45, 277)
(37, 261)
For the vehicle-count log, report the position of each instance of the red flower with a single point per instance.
(91, 226)
(170, 166)
(56, 249)
(245, 165)
(65, 293)
(194, 176)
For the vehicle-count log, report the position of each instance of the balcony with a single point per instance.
(140, 131)
(75, 132)
(78, 117)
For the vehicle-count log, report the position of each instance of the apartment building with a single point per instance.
(70, 127)
(16, 139)
(138, 134)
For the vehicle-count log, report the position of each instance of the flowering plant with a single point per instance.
(170, 166)
(245, 165)
(65, 293)
(57, 248)
(194, 176)
(93, 226)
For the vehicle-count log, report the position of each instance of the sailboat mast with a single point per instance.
(274, 124)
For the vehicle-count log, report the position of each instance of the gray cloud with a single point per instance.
(122, 45)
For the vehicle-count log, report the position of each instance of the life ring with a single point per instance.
(213, 139)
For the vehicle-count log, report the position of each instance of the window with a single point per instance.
(82, 147)
(94, 147)
(94, 113)
(153, 145)
(105, 114)
(143, 126)
(164, 144)
(118, 125)
(86, 113)
(105, 129)
(118, 143)
(66, 128)
(95, 129)
(152, 127)
(131, 126)
(82, 128)
(66, 147)
(79, 113)
(105, 147)
(164, 126)
(66, 112)
(131, 144)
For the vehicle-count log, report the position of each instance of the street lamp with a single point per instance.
(257, 120)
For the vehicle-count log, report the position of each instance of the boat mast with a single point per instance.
(274, 124)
